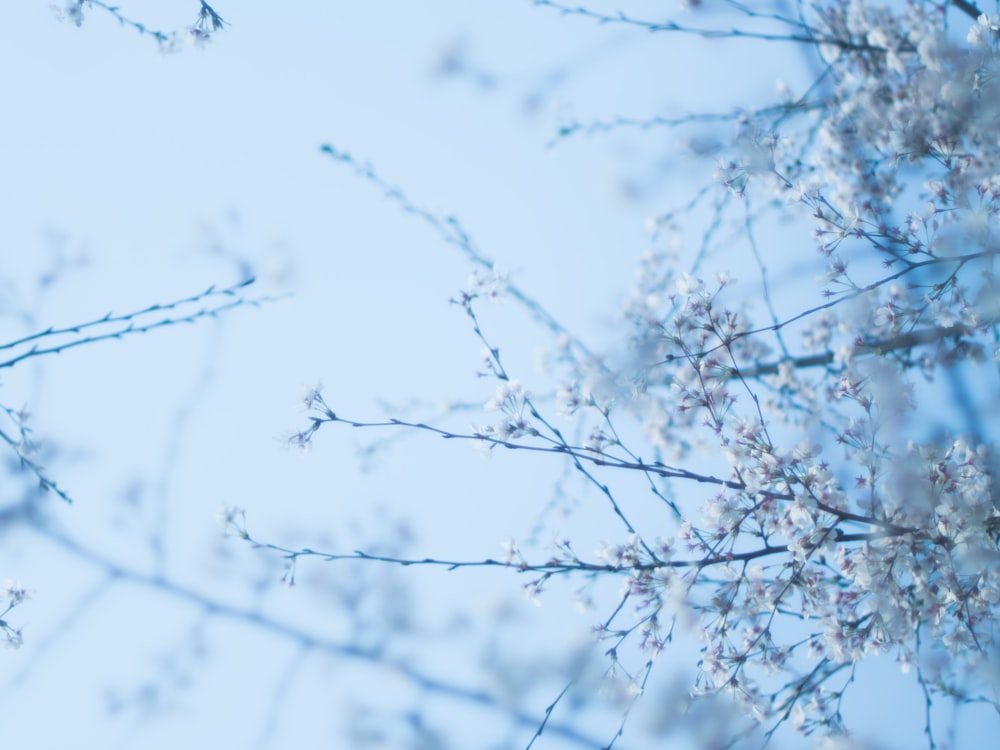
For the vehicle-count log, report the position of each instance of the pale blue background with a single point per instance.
(147, 177)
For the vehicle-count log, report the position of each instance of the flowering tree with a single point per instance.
(801, 478)
(820, 508)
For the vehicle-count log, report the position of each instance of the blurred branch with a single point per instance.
(902, 341)
(967, 8)
(606, 126)
(211, 606)
(803, 34)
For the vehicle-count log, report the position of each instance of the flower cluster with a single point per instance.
(15, 594)
(839, 526)
(839, 477)
(512, 401)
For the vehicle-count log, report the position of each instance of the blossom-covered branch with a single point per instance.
(207, 22)
(822, 504)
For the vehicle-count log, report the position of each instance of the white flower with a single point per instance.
(512, 553)
(569, 399)
(493, 284)
(313, 395)
(533, 590)
(688, 284)
(16, 593)
(232, 519)
(984, 30)
(14, 638)
(509, 397)
(724, 278)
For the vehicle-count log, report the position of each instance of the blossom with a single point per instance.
(72, 11)
(533, 590)
(14, 638)
(983, 33)
(313, 395)
(490, 284)
(688, 284)
(508, 398)
(232, 519)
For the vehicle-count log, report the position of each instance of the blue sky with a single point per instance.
(148, 177)
(144, 177)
